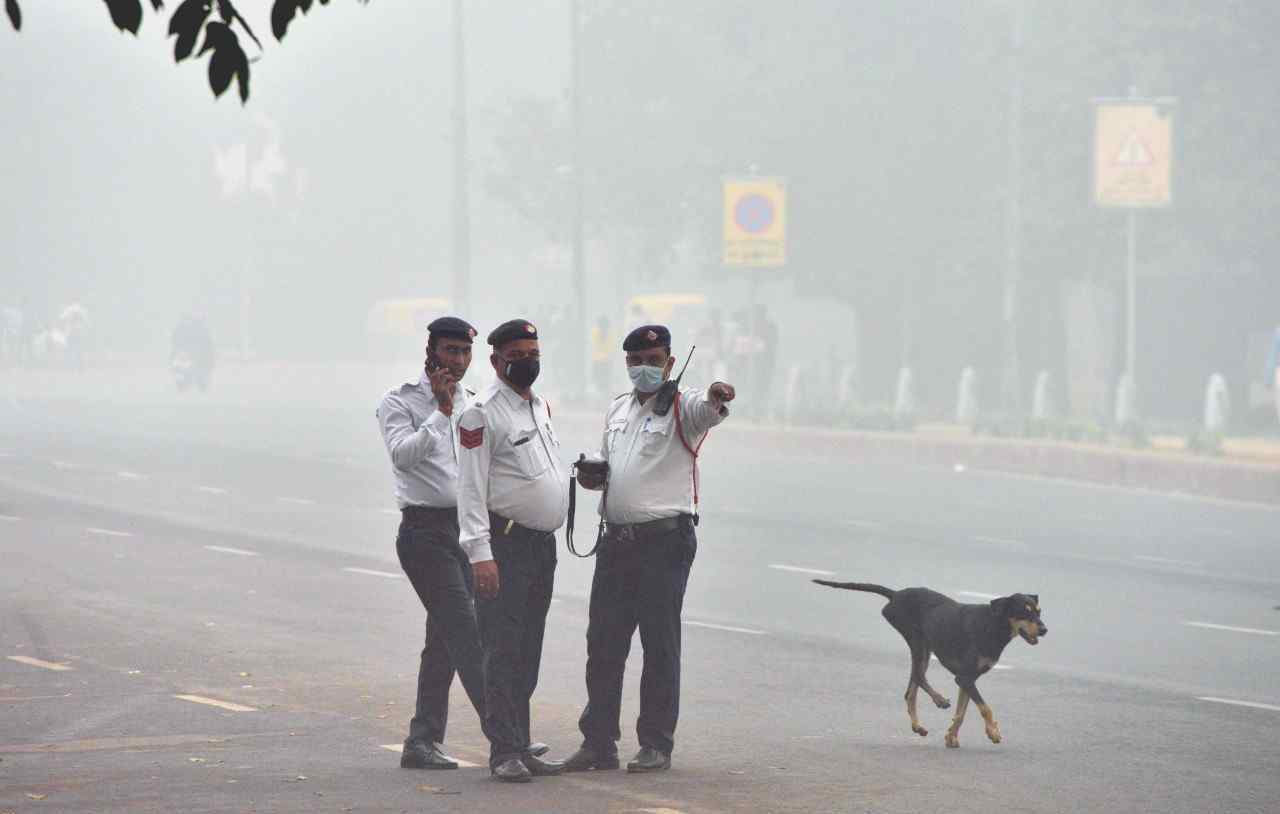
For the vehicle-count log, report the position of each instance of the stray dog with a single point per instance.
(967, 638)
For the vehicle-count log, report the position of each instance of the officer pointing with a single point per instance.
(642, 565)
(513, 494)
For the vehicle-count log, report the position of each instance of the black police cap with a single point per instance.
(452, 327)
(646, 337)
(512, 330)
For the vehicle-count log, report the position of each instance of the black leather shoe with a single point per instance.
(511, 771)
(649, 759)
(538, 749)
(425, 756)
(542, 768)
(588, 757)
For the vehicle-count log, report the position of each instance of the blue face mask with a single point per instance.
(646, 378)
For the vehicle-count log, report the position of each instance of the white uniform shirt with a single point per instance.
(650, 471)
(422, 443)
(509, 464)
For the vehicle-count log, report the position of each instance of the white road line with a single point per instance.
(993, 667)
(797, 569)
(1165, 561)
(978, 595)
(863, 524)
(710, 626)
(1001, 541)
(65, 465)
(399, 747)
(660, 810)
(297, 501)
(212, 490)
(56, 666)
(228, 550)
(1234, 703)
(8, 518)
(109, 532)
(1233, 629)
(214, 702)
(372, 573)
(125, 475)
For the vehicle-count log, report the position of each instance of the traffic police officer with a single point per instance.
(513, 494)
(642, 565)
(419, 421)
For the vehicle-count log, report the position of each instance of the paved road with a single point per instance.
(244, 555)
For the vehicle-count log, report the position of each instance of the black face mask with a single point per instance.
(522, 372)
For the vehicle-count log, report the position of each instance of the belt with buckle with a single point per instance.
(414, 512)
(633, 531)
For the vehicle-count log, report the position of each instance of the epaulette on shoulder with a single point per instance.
(622, 395)
(469, 391)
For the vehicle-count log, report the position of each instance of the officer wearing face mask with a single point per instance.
(513, 493)
(642, 565)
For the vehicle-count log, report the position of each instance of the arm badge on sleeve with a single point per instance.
(470, 439)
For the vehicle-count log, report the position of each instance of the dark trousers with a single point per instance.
(511, 627)
(637, 583)
(436, 565)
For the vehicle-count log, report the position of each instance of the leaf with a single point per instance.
(157, 4)
(185, 23)
(15, 14)
(126, 14)
(38, 796)
(282, 13)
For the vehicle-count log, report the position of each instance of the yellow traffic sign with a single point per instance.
(755, 222)
(1132, 154)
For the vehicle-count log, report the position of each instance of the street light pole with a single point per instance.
(461, 203)
(578, 249)
(1011, 385)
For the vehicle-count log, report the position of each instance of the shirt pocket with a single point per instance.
(654, 435)
(525, 449)
(613, 434)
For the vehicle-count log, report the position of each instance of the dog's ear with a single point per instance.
(1035, 598)
(1000, 606)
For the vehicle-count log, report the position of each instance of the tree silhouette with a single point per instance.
(217, 18)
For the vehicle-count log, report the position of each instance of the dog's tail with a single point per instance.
(858, 586)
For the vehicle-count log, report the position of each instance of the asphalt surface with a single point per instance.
(241, 551)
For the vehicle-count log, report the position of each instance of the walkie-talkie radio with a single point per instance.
(670, 389)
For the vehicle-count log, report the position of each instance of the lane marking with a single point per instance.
(710, 626)
(228, 550)
(8, 518)
(212, 490)
(297, 501)
(399, 748)
(1233, 629)
(65, 465)
(661, 811)
(934, 657)
(1166, 561)
(978, 595)
(1235, 703)
(863, 524)
(1004, 542)
(797, 569)
(125, 475)
(372, 573)
(108, 532)
(214, 702)
(56, 666)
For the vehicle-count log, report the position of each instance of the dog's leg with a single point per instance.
(953, 732)
(939, 700)
(988, 717)
(913, 685)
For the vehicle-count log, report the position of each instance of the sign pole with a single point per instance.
(1131, 319)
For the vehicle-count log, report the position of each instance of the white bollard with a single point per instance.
(1217, 406)
(967, 398)
(847, 386)
(1041, 406)
(792, 396)
(904, 399)
(1126, 402)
